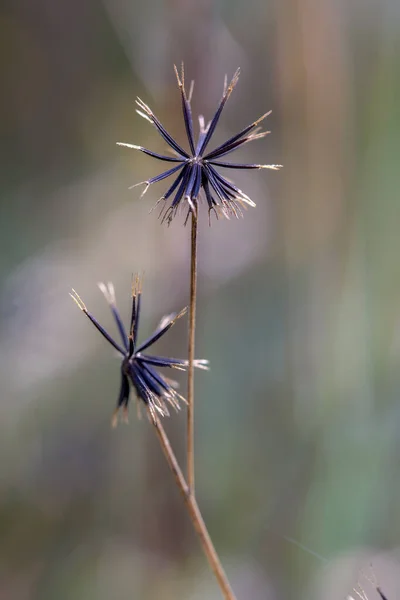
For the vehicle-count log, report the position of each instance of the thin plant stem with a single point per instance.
(194, 511)
(192, 331)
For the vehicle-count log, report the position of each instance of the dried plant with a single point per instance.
(196, 170)
(137, 368)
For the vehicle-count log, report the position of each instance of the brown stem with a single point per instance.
(194, 512)
(192, 330)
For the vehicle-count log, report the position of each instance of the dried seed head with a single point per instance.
(139, 369)
(197, 172)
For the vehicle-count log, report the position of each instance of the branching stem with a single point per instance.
(194, 511)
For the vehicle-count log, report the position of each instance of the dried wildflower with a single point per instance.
(140, 369)
(196, 169)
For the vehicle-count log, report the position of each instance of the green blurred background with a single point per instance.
(298, 421)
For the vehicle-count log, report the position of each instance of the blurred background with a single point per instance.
(298, 421)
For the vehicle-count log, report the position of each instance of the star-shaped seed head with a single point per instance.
(139, 369)
(196, 169)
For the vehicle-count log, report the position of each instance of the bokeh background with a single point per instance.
(298, 421)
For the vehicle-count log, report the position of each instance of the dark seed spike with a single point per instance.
(191, 181)
(243, 165)
(166, 391)
(229, 185)
(150, 381)
(238, 193)
(160, 380)
(160, 331)
(217, 115)
(193, 188)
(228, 208)
(79, 302)
(176, 183)
(133, 318)
(187, 112)
(242, 133)
(104, 333)
(133, 313)
(138, 383)
(222, 180)
(210, 200)
(171, 211)
(227, 148)
(155, 402)
(231, 203)
(199, 142)
(197, 182)
(231, 190)
(120, 326)
(170, 191)
(136, 325)
(109, 294)
(222, 195)
(131, 348)
(123, 397)
(182, 187)
(382, 595)
(151, 153)
(162, 131)
(236, 196)
(168, 362)
(164, 175)
(161, 361)
(160, 177)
